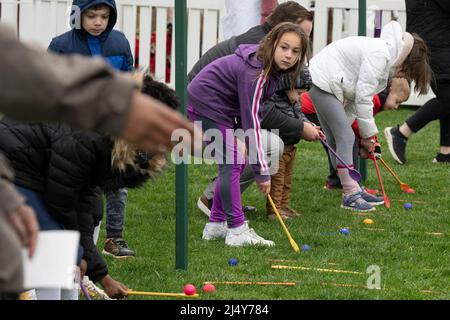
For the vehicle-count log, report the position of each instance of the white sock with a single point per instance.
(48, 294)
(69, 294)
(349, 186)
(97, 232)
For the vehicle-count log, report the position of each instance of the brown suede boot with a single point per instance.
(273, 216)
(289, 161)
(276, 192)
(288, 211)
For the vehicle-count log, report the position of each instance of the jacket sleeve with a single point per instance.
(250, 92)
(97, 268)
(86, 92)
(89, 211)
(10, 199)
(372, 69)
(290, 128)
(88, 208)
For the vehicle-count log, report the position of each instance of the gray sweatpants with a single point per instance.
(339, 133)
(273, 145)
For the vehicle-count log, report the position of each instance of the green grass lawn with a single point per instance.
(414, 263)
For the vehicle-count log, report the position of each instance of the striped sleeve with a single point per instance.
(251, 115)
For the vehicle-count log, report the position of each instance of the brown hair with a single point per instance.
(99, 6)
(268, 45)
(417, 67)
(289, 11)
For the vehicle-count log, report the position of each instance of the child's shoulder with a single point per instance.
(63, 36)
(117, 42)
(62, 41)
(117, 35)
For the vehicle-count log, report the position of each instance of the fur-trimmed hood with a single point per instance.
(131, 167)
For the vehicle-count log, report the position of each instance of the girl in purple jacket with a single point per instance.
(227, 95)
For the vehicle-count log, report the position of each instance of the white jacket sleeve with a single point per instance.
(373, 69)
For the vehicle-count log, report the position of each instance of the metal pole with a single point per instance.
(362, 31)
(181, 174)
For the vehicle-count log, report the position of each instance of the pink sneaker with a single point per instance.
(332, 186)
(373, 192)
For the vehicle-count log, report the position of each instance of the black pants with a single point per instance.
(436, 108)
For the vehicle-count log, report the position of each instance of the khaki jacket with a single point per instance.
(39, 86)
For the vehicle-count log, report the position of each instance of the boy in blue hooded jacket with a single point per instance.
(92, 34)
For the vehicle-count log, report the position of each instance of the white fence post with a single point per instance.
(9, 13)
(27, 20)
(193, 50)
(320, 26)
(161, 55)
(145, 34)
(129, 28)
(210, 18)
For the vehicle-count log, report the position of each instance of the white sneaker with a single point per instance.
(215, 230)
(94, 291)
(243, 235)
(204, 205)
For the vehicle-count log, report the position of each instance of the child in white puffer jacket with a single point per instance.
(346, 75)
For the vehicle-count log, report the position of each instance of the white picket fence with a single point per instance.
(40, 20)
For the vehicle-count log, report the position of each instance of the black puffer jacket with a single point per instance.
(89, 211)
(431, 20)
(57, 162)
(279, 113)
(67, 167)
(229, 46)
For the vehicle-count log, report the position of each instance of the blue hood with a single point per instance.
(86, 4)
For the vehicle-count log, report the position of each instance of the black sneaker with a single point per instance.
(248, 209)
(117, 248)
(442, 158)
(396, 143)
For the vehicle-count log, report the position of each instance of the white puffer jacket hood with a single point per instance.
(354, 69)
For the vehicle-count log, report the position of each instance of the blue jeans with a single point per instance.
(116, 202)
(35, 200)
(45, 219)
